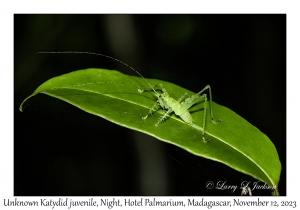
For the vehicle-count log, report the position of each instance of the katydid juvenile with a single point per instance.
(164, 101)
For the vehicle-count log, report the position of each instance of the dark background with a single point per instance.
(61, 150)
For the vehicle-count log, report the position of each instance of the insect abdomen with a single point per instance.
(186, 117)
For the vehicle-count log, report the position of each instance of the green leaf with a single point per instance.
(115, 97)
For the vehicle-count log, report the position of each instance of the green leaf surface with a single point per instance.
(115, 97)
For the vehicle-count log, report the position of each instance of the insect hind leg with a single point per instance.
(204, 118)
(210, 104)
(184, 96)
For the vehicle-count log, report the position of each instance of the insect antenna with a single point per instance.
(90, 53)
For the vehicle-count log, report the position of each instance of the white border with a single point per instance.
(8, 8)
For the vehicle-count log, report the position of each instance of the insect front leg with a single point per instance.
(153, 109)
(164, 117)
(160, 100)
(155, 87)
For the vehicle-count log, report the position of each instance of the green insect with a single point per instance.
(164, 101)
(180, 107)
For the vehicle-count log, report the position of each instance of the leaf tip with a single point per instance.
(22, 107)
